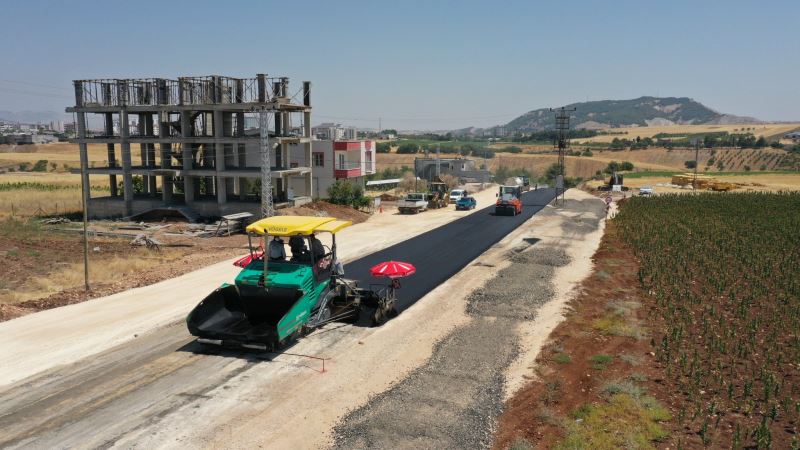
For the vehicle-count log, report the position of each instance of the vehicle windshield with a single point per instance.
(508, 190)
(414, 197)
(456, 192)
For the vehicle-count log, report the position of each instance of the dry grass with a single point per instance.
(767, 130)
(103, 269)
(756, 182)
(661, 159)
(60, 153)
(27, 202)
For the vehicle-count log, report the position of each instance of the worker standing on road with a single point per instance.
(276, 250)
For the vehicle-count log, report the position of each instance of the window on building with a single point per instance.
(368, 156)
(318, 159)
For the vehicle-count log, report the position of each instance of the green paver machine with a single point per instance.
(276, 299)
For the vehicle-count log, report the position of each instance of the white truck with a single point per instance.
(413, 203)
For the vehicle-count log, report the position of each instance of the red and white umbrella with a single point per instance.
(393, 269)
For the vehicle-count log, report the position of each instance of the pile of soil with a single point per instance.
(325, 209)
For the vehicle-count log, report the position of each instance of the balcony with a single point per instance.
(347, 169)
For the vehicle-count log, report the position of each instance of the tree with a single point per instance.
(761, 142)
(617, 144)
(691, 164)
(383, 147)
(343, 192)
(614, 166)
(409, 183)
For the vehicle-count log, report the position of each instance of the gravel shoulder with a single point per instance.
(454, 398)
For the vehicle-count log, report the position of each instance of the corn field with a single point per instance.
(723, 271)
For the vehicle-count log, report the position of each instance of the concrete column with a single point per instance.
(125, 149)
(166, 157)
(142, 152)
(151, 154)
(112, 159)
(84, 155)
(188, 180)
(219, 158)
(241, 156)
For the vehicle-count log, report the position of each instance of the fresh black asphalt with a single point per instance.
(440, 253)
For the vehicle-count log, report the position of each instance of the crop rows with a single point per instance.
(723, 271)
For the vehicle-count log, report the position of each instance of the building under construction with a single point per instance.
(198, 143)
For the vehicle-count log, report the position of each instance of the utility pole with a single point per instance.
(438, 163)
(561, 144)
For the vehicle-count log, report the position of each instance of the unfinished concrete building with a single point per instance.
(195, 155)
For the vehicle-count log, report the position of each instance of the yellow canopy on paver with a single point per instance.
(297, 225)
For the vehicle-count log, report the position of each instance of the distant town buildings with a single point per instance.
(464, 169)
(334, 132)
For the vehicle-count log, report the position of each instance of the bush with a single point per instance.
(747, 168)
(691, 164)
(509, 149)
(408, 148)
(40, 166)
(383, 147)
(23, 167)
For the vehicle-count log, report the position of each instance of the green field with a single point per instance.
(723, 274)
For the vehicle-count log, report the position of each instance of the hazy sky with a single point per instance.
(427, 64)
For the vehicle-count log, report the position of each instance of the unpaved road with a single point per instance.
(453, 399)
(159, 390)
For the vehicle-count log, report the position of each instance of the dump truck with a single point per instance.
(509, 201)
(276, 299)
(413, 202)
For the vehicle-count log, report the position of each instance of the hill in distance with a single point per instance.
(642, 111)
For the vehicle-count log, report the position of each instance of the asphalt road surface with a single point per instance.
(132, 392)
(440, 253)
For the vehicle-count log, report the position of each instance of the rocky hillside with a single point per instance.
(623, 113)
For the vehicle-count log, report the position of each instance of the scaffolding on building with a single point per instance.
(200, 145)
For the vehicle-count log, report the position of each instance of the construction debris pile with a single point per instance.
(703, 182)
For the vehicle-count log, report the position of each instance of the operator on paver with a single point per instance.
(276, 250)
(316, 247)
(298, 247)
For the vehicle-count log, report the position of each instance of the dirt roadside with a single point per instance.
(452, 400)
(40, 341)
